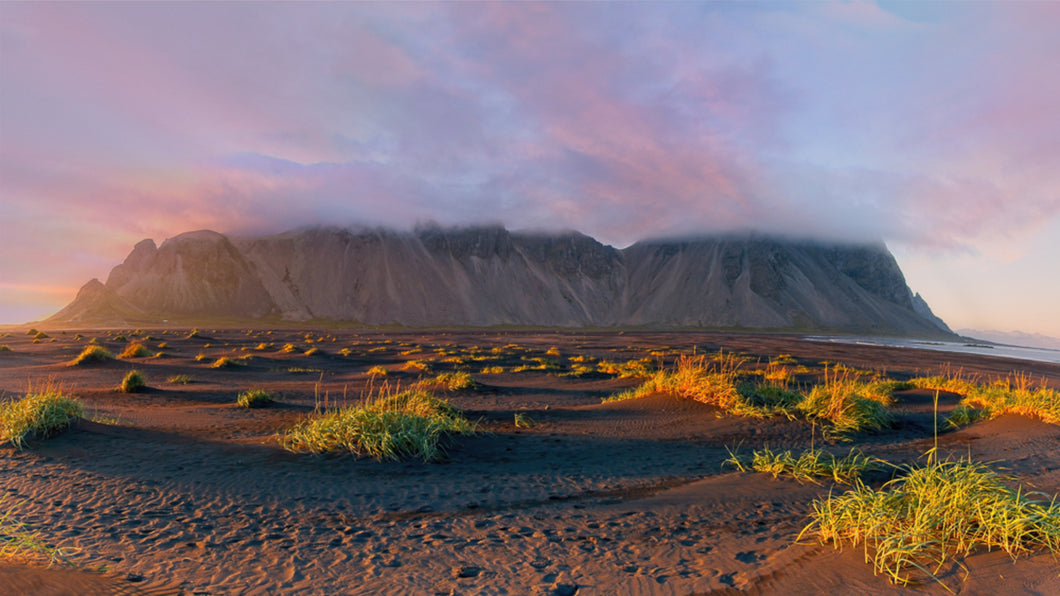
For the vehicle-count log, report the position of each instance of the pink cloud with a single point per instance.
(622, 120)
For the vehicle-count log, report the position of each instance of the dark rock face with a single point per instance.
(490, 276)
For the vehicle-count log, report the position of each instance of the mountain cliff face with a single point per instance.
(490, 276)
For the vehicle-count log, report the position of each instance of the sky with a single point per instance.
(934, 127)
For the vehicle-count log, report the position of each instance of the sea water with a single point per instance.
(962, 347)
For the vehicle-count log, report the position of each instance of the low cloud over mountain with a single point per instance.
(489, 276)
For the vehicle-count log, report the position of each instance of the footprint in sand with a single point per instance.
(749, 557)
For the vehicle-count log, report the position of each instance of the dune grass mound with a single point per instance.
(935, 513)
(1012, 395)
(842, 401)
(93, 354)
(226, 362)
(712, 382)
(848, 404)
(134, 382)
(39, 413)
(135, 349)
(254, 398)
(392, 425)
(454, 381)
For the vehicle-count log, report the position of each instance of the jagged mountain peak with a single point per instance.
(487, 275)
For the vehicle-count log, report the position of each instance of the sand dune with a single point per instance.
(178, 491)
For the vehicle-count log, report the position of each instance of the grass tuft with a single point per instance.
(418, 365)
(410, 423)
(849, 404)
(226, 362)
(92, 354)
(135, 349)
(133, 382)
(935, 513)
(254, 398)
(39, 413)
(808, 466)
(454, 381)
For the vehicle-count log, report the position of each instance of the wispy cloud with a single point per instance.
(931, 128)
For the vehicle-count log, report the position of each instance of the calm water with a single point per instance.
(985, 349)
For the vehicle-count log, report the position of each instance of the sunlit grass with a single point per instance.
(640, 368)
(135, 349)
(93, 353)
(1015, 395)
(1012, 395)
(377, 371)
(17, 539)
(40, 413)
(454, 381)
(935, 513)
(713, 381)
(133, 382)
(807, 466)
(417, 365)
(391, 425)
(226, 362)
(844, 402)
(849, 404)
(254, 398)
(179, 379)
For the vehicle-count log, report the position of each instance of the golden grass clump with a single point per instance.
(454, 381)
(808, 466)
(710, 381)
(935, 513)
(419, 365)
(849, 404)
(952, 383)
(133, 382)
(641, 368)
(377, 371)
(92, 354)
(226, 362)
(39, 413)
(1014, 396)
(254, 398)
(409, 423)
(135, 349)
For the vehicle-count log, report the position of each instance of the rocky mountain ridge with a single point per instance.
(489, 276)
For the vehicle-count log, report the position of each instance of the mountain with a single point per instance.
(1013, 338)
(488, 276)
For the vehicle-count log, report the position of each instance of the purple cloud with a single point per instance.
(841, 120)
